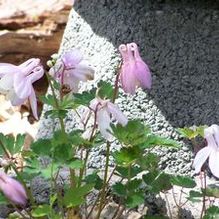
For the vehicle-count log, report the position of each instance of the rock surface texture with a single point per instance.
(177, 39)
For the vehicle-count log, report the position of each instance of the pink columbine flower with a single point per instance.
(72, 68)
(16, 82)
(134, 71)
(12, 189)
(105, 111)
(211, 151)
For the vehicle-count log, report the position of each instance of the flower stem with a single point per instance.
(71, 211)
(56, 104)
(105, 182)
(204, 193)
(116, 89)
(82, 170)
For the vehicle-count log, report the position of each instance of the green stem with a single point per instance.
(129, 172)
(116, 89)
(204, 195)
(56, 104)
(72, 171)
(105, 182)
(82, 170)
(168, 205)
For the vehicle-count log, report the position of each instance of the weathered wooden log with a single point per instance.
(31, 29)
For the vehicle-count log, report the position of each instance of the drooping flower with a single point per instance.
(106, 111)
(211, 151)
(72, 68)
(12, 189)
(134, 71)
(16, 82)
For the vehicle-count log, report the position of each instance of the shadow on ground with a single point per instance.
(178, 41)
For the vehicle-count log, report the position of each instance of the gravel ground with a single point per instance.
(178, 41)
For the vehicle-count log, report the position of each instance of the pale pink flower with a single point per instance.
(134, 71)
(16, 82)
(105, 112)
(12, 189)
(72, 68)
(211, 151)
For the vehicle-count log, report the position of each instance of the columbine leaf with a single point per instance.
(134, 133)
(149, 162)
(212, 213)
(133, 185)
(42, 147)
(59, 138)
(62, 153)
(67, 102)
(13, 145)
(85, 97)
(195, 196)
(75, 196)
(127, 156)
(74, 163)
(56, 113)
(94, 179)
(134, 200)
(155, 140)
(31, 169)
(76, 139)
(46, 172)
(183, 181)
(18, 143)
(3, 200)
(40, 211)
(105, 90)
(193, 132)
(157, 181)
(49, 100)
(125, 172)
(212, 190)
(119, 189)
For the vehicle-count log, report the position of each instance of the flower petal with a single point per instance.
(17, 192)
(123, 51)
(94, 103)
(117, 113)
(73, 83)
(211, 141)
(216, 134)
(103, 121)
(33, 103)
(214, 163)
(31, 72)
(6, 68)
(72, 58)
(15, 100)
(28, 66)
(57, 70)
(36, 74)
(84, 71)
(12, 189)
(143, 74)
(142, 71)
(127, 78)
(22, 86)
(201, 157)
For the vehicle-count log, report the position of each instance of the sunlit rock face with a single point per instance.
(176, 39)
